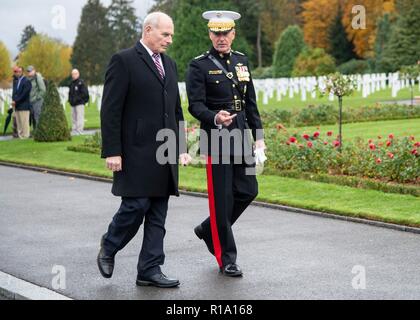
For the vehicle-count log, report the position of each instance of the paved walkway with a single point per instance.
(49, 220)
(85, 132)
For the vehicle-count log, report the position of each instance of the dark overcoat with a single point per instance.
(136, 105)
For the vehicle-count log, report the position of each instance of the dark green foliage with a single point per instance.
(124, 24)
(166, 6)
(354, 67)
(403, 47)
(328, 114)
(313, 62)
(93, 46)
(92, 144)
(382, 39)
(251, 11)
(52, 124)
(340, 47)
(288, 48)
(27, 34)
(350, 181)
(191, 33)
(263, 73)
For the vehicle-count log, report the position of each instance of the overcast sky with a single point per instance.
(46, 17)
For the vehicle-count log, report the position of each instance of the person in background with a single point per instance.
(37, 92)
(78, 97)
(14, 122)
(21, 104)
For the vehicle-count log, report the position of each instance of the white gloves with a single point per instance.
(260, 157)
(185, 159)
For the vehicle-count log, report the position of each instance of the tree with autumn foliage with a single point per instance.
(318, 16)
(360, 20)
(5, 66)
(50, 57)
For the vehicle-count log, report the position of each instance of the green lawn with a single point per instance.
(403, 209)
(368, 130)
(354, 101)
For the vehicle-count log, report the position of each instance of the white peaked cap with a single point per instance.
(220, 20)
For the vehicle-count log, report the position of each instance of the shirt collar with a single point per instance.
(223, 56)
(150, 52)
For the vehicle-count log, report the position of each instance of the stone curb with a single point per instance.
(13, 288)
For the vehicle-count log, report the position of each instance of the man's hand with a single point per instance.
(224, 118)
(114, 163)
(13, 104)
(184, 159)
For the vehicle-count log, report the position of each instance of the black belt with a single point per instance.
(234, 106)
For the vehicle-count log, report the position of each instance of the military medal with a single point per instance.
(242, 72)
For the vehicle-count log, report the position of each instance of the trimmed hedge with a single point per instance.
(92, 144)
(52, 124)
(327, 114)
(350, 181)
(84, 149)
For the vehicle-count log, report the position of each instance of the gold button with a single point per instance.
(233, 85)
(217, 81)
(235, 97)
(228, 62)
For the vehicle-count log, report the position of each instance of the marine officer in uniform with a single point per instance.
(222, 97)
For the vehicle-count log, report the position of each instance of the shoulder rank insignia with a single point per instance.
(240, 53)
(205, 54)
(198, 57)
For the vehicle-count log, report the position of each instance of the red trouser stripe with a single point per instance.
(212, 207)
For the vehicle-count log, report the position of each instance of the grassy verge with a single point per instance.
(376, 205)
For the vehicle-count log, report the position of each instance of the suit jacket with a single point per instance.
(136, 104)
(21, 95)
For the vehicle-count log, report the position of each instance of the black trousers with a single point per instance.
(126, 223)
(230, 190)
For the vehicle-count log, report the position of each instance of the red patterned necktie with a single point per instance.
(158, 65)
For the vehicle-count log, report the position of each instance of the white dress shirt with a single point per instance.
(151, 53)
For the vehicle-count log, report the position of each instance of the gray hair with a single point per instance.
(153, 18)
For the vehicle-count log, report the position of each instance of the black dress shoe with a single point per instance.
(157, 280)
(198, 230)
(231, 270)
(105, 264)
